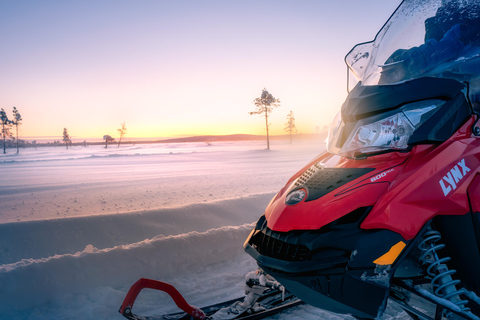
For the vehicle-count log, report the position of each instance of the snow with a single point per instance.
(78, 227)
(382, 276)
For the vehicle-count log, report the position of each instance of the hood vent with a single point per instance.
(319, 181)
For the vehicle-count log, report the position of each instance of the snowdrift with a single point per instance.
(79, 227)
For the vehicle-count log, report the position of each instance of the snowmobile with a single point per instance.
(390, 212)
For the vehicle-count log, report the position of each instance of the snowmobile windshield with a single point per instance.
(435, 38)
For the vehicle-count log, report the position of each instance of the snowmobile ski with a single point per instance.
(442, 306)
(263, 298)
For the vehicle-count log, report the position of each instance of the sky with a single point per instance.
(170, 68)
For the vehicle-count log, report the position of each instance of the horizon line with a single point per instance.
(126, 138)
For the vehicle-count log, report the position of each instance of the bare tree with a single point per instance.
(121, 131)
(108, 139)
(290, 125)
(264, 105)
(66, 137)
(17, 120)
(5, 128)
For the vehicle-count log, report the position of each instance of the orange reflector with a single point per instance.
(391, 255)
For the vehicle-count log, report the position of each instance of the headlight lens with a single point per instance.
(387, 131)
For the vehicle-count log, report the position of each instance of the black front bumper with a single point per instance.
(331, 268)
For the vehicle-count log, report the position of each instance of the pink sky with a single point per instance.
(169, 68)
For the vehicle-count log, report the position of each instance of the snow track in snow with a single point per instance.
(43, 284)
(46, 238)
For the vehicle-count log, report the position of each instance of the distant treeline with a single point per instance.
(11, 143)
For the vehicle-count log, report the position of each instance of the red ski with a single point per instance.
(264, 297)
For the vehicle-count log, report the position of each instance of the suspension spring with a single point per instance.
(443, 285)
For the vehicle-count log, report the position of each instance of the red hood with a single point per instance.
(361, 192)
(405, 189)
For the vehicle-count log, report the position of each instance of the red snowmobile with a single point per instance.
(391, 211)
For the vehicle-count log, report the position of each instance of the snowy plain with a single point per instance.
(78, 227)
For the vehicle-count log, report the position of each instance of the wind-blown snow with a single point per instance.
(78, 227)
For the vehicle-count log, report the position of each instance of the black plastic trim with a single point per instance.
(334, 269)
(319, 181)
(443, 123)
(366, 101)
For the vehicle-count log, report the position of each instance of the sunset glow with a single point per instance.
(177, 68)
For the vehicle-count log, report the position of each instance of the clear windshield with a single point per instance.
(439, 38)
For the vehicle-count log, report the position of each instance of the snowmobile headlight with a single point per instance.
(386, 131)
(392, 132)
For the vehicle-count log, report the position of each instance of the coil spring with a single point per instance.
(442, 282)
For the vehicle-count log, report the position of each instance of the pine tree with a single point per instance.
(122, 131)
(108, 139)
(17, 120)
(5, 123)
(264, 105)
(66, 137)
(290, 125)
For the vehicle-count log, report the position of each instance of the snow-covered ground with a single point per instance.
(79, 226)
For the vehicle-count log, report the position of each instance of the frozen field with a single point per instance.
(79, 226)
